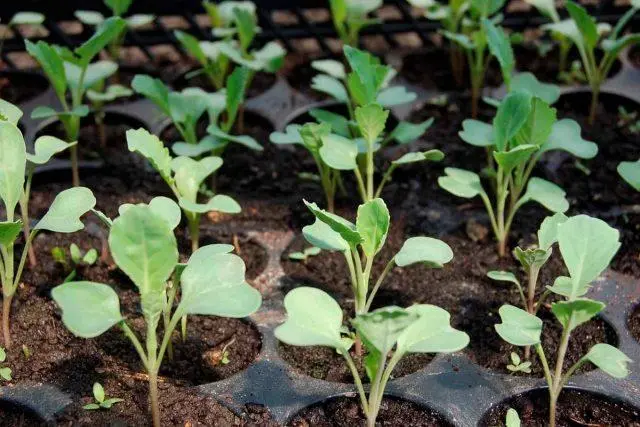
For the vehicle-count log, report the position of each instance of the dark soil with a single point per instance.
(634, 56)
(547, 68)
(345, 411)
(299, 73)
(261, 83)
(575, 408)
(21, 86)
(431, 69)
(634, 322)
(16, 416)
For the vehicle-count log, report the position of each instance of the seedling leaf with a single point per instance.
(518, 327)
(432, 252)
(609, 359)
(64, 213)
(431, 332)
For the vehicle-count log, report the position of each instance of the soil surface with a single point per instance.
(18, 86)
(575, 408)
(345, 411)
(299, 73)
(261, 83)
(634, 323)
(16, 416)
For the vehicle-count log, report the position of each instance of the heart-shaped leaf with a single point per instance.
(215, 285)
(547, 194)
(339, 152)
(313, 319)
(476, 133)
(291, 135)
(565, 135)
(527, 82)
(427, 250)
(630, 172)
(572, 314)
(381, 328)
(9, 112)
(46, 147)
(331, 86)
(431, 155)
(406, 132)
(64, 213)
(518, 327)
(609, 359)
(461, 183)
(219, 203)
(431, 332)
(88, 309)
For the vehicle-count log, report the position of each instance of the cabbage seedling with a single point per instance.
(587, 246)
(187, 107)
(236, 23)
(71, 74)
(523, 129)
(630, 172)
(101, 401)
(352, 16)
(63, 215)
(587, 35)
(118, 8)
(315, 319)
(144, 247)
(362, 241)
(548, 9)
(184, 176)
(304, 254)
(21, 18)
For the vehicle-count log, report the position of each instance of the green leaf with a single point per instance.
(112, 93)
(88, 309)
(118, 7)
(630, 172)
(563, 285)
(339, 124)
(219, 203)
(190, 174)
(585, 23)
(546, 7)
(520, 154)
(432, 252)
(12, 166)
(548, 232)
(532, 257)
(461, 183)
(90, 257)
(613, 48)
(214, 284)
(331, 86)
(76, 255)
(331, 67)
(27, 18)
(51, 63)
(291, 135)
(9, 112)
(460, 39)
(609, 359)
(512, 114)
(245, 140)
(313, 319)
(527, 82)
(236, 87)
(64, 213)
(518, 327)
(431, 155)
(539, 125)
(367, 72)
(150, 146)
(46, 147)
(153, 89)
(270, 58)
(246, 24)
(346, 229)
(565, 135)
(372, 224)
(572, 314)
(513, 420)
(431, 332)
(503, 276)
(205, 145)
(321, 235)
(396, 95)
(167, 209)
(547, 194)
(477, 133)
(91, 406)
(93, 74)
(106, 32)
(371, 120)
(9, 231)
(406, 132)
(381, 328)
(500, 47)
(143, 246)
(98, 392)
(43, 112)
(587, 246)
(339, 152)
(192, 46)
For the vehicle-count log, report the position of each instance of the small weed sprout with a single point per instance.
(71, 75)
(523, 129)
(63, 215)
(513, 419)
(315, 319)
(5, 371)
(101, 401)
(76, 257)
(144, 247)
(587, 246)
(305, 254)
(517, 365)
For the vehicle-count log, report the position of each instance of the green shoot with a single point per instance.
(101, 401)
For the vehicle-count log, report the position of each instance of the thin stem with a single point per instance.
(75, 174)
(381, 278)
(356, 379)
(136, 343)
(167, 335)
(360, 275)
(375, 392)
(370, 189)
(23, 259)
(24, 212)
(153, 397)
(193, 221)
(361, 188)
(362, 295)
(6, 316)
(545, 365)
(533, 281)
(352, 272)
(385, 179)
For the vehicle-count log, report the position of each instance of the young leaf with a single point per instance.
(503, 276)
(346, 229)
(477, 133)
(548, 232)
(64, 213)
(321, 235)
(88, 309)
(339, 152)
(572, 314)
(539, 125)
(609, 359)
(109, 29)
(9, 112)
(215, 285)
(98, 392)
(76, 255)
(91, 75)
(12, 165)
(291, 135)
(587, 246)
(51, 63)
(154, 89)
(371, 120)
(313, 318)
(431, 332)
(565, 135)
(245, 140)
(431, 155)
(518, 327)
(382, 327)
(236, 86)
(152, 148)
(27, 18)
(331, 67)
(331, 86)
(5, 374)
(527, 82)
(372, 224)
(46, 147)
(508, 160)
(338, 124)
(461, 183)
(630, 172)
(585, 23)
(511, 116)
(406, 132)
(500, 47)
(396, 95)
(219, 203)
(9, 231)
(547, 194)
(190, 173)
(513, 420)
(432, 252)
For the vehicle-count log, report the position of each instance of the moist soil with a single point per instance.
(634, 322)
(431, 70)
(18, 86)
(261, 83)
(634, 56)
(575, 408)
(345, 411)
